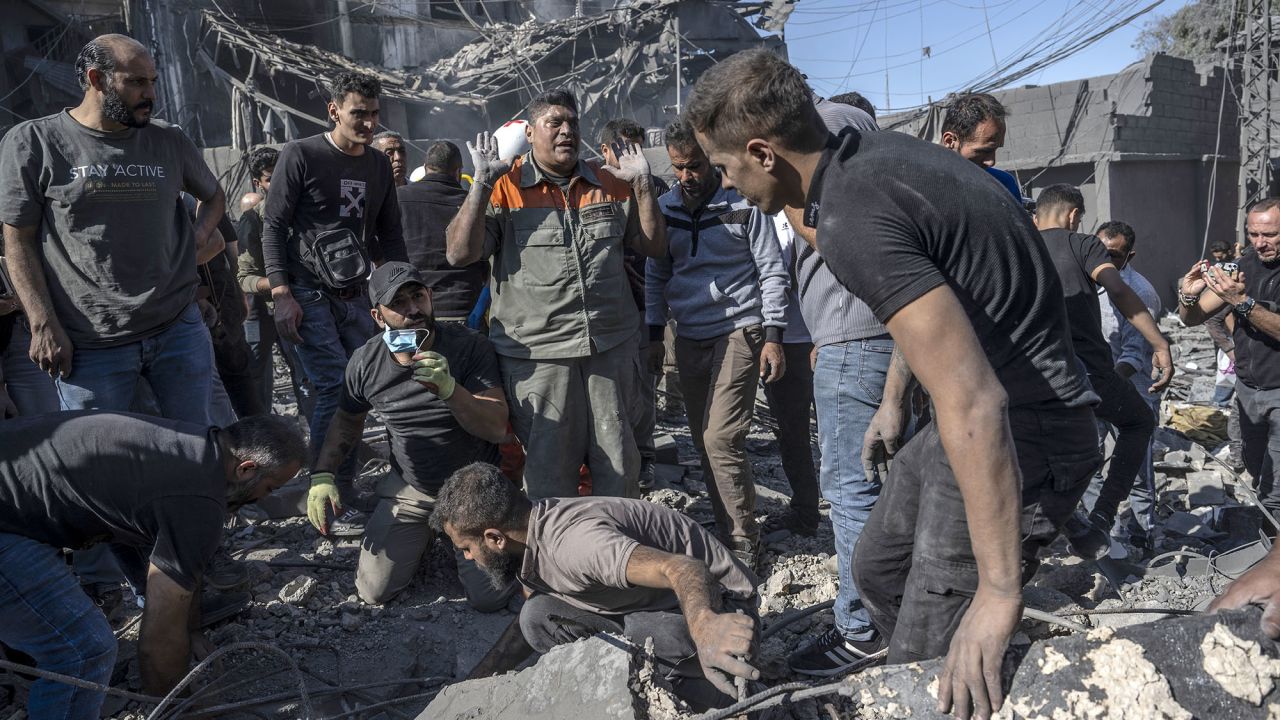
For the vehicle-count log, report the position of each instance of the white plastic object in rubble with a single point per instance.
(511, 138)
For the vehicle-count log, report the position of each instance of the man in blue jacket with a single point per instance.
(724, 283)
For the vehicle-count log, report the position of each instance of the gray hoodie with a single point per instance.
(723, 270)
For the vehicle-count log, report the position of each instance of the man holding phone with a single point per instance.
(726, 287)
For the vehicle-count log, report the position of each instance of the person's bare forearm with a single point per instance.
(1265, 320)
(1132, 307)
(22, 254)
(898, 381)
(464, 238)
(653, 227)
(1208, 306)
(344, 432)
(979, 446)
(484, 417)
(208, 215)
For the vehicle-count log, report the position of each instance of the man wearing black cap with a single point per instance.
(437, 388)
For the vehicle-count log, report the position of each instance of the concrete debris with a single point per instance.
(1153, 671)
(298, 590)
(1239, 665)
(590, 678)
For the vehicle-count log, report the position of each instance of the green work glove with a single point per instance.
(323, 490)
(432, 370)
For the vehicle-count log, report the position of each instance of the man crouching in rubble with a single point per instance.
(72, 479)
(597, 564)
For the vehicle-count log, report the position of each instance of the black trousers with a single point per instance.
(914, 564)
(791, 402)
(1124, 408)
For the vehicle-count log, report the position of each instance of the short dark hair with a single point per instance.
(1057, 198)
(967, 112)
(389, 135)
(1116, 228)
(261, 160)
(1264, 205)
(95, 55)
(272, 442)
(680, 136)
(756, 94)
(620, 129)
(353, 82)
(444, 156)
(479, 497)
(855, 99)
(1220, 246)
(550, 99)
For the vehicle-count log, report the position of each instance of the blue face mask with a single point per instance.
(398, 341)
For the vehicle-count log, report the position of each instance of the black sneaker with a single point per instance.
(349, 524)
(218, 606)
(745, 550)
(800, 523)
(226, 574)
(831, 654)
(1087, 540)
(646, 480)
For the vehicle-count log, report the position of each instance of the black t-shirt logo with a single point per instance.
(353, 198)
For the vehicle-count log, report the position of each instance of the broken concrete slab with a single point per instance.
(665, 450)
(590, 678)
(1204, 487)
(1202, 666)
(298, 590)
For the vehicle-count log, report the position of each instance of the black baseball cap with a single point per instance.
(387, 280)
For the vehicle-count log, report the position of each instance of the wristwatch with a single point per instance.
(1246, 307)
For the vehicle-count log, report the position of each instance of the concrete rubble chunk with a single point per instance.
(590, 678)
(298, 590)
(1150, 671)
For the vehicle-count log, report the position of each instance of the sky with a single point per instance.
(847, 45)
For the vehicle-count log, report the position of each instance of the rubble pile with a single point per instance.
(1143, 654)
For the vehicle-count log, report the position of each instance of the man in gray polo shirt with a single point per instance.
(605, 565)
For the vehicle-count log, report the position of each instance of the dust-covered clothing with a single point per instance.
(117, 247)
(578, 550)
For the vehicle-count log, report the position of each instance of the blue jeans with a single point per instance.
(331, 330)
(30, 388)
(177, 364)
(848, 384)
(44, 614)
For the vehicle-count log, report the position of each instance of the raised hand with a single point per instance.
(632, 164)
(488, 167)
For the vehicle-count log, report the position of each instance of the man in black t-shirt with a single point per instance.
(73, 479)
(437, 388)
(954, 268)
(330, 182)
(1253, 294)
(1083, 264)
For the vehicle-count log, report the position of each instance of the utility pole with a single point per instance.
(1257, 73)
(344, 30)
(679, 52)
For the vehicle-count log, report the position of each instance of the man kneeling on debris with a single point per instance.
(597, 564)
(69, 480)
(437, 388)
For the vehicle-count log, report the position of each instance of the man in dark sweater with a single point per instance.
(1083, 264)
(74, 479)
(330, 182)
(426, 209)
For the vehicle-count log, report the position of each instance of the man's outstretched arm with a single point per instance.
(939, 344)
(1135, 311)
(724, 640)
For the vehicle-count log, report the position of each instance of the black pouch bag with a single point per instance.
(337, 257)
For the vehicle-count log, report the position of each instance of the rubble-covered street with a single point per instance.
(363, 661)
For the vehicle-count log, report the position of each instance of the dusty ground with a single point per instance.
(430, 632)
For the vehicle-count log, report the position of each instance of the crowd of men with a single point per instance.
(899, 291)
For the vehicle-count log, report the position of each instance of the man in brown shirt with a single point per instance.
(597, 564)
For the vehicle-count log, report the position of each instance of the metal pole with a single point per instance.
(344, 30)
(679, 76)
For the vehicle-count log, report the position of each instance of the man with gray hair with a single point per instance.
(391, 144)
(145, 485)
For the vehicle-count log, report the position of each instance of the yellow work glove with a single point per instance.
(432, 370)
(323, 490)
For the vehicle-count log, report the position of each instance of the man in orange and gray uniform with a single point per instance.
(562, 322)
